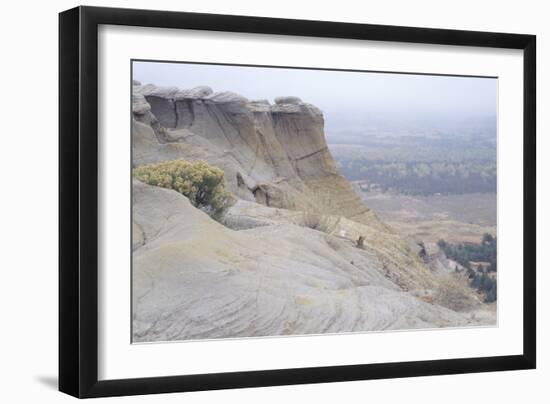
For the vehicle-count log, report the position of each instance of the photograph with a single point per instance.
(276, 202)
(273, 201)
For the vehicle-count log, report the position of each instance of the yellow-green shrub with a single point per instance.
(202, 183)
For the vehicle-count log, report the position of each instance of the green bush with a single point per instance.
(463, 253)
(202, 183)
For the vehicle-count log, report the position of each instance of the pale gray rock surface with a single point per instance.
(274, 154)
(287, 259)
(194, 278)
(194, 93)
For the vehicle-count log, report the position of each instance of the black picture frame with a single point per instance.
(78, 201)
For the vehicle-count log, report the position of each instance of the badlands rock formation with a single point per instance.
(267, 270)
(275, 155)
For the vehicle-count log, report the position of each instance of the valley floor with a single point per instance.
(453, 218)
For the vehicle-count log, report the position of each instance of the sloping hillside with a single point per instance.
(267, 270)
(194, 278)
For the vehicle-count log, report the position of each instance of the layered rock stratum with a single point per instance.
(272, 154)
(266, 270)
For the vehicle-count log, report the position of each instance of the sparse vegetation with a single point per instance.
(453, 295)
(317, 215)
(202, 183)
(480, 261)
(315, 220)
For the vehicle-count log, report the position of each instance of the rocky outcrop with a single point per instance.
(273, 154)
(286, 259)
(195, 278)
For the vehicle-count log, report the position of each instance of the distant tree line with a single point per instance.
(471, 256)
(422, 165)
(421, 178)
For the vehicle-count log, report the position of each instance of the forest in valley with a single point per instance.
(421, 165)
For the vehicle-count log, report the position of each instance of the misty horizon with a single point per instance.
(349, 100)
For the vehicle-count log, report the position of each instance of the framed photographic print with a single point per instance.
(251, 201)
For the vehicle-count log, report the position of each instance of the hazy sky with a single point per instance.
(337, 92)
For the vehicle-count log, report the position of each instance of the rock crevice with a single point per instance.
(259, 141)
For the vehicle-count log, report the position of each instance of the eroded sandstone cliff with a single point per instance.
(268, 271)
(273, 154)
